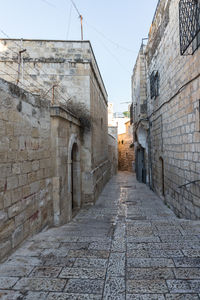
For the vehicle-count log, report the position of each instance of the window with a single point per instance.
(154, 84)
(101, 122)
(189, 26)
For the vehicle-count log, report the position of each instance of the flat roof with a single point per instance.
(66, 41)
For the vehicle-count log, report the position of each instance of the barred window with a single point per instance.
(154, 84)
(189, 25)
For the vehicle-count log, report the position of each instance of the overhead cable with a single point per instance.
(48, 3)
(109, 40)
(69, 22)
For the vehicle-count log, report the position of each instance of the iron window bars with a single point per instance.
(189, 25)
(154, 84)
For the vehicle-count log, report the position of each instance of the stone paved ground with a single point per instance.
(128, 246)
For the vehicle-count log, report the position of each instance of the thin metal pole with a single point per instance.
(81, 18)
(22, 60)
(19, 64)
(81, 27)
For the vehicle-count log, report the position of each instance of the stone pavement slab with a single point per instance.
(127, 246)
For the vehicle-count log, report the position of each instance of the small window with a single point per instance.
(189, 26)
(154, 84)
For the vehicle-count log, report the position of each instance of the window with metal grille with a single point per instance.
(189, 25)
(154, 84)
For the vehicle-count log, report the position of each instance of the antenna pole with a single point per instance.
(20, 61)
(81, 18)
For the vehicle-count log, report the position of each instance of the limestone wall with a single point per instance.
(66, 72)
(99, 138)
(174, 114)
(139, 86)
(126, 150)
(47, 63)
(113, 150)
(26, 204)
(65, 132)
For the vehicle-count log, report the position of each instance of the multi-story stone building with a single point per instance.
(172, 61)
(140, 122)
(53, 138)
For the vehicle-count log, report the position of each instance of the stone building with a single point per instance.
(172, 121)
(53, 138)
(112, 140)
(140, 122)
(126, 149)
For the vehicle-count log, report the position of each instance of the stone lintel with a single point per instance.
(61, 112)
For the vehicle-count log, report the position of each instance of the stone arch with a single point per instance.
(74, 174)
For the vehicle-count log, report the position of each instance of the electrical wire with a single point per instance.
(48, 3)
(39, 70)
(114, 57)
(69, 22)
(102, 34)
(74, 5)
(31, 84)
(102, 43)
(109, 40)
(5, 73)
(9, 66)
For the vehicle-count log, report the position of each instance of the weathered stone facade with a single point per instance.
(126, 149)
(66, 72)
(26, 204)
(113, 149)
(54, 148)
(112, 140)
(67, 164)
(173, 114)
(140, 124)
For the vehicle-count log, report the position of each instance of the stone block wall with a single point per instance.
(65, 133)
(139, 86)
(25, 166)
(66, 72)
(64, 64)
(113, 149)
(99, 137)
(174, 114)
(126, 150)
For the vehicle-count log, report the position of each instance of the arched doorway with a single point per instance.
(140, 165)
(74, 175)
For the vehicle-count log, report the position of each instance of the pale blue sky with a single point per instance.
(115, 29)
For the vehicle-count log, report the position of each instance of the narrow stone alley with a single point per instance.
(129, 245)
